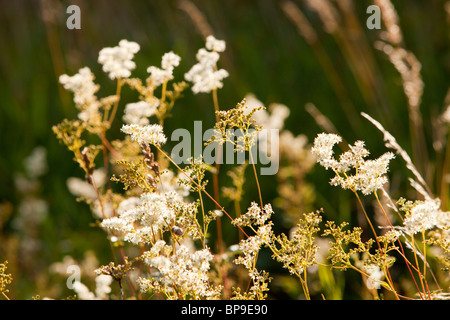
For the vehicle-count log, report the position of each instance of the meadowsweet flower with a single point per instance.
(152, 134)
(81, 188)
(82, 291)
(117, 61)
(138, 112)
(103, 286)
(375, 276)
(369, 175)
(36, 163)
(215, 45)
(249, 247)
(170, 60)
(425, 215)
(204, 75)
(323, 149)
(102, 289)
(269, 120)
(82, 85)
(160, 75)
(186, 269)
(139, 220)
(255, 215)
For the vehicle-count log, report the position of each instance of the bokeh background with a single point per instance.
(330, 62)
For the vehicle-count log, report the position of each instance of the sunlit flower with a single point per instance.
(117, 61)
(204, 75)
(152, 134)
(138, 112)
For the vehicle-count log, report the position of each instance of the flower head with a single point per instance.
(215, 45)
(424, 215)
(369, 175)
(204, 75)
(158, 76)
(138, 112)
(117, 61)
(323, 149)
(152, 134)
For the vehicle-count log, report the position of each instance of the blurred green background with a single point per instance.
(265, 55)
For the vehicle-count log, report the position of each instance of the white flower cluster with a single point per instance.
(425, 215)
(186, 270)
(36, 163)
(269, 120)
(82, 85)
(142, 221)
(369, 174)
(204, 75)
(251, 246)
(117, 61)
(84, 89)
(323, 149)
(152, 133)
(81, 188)
(255, 215)
(160, 75)
(375, 276)
(215, 45)
(102, 289)
(139, 112)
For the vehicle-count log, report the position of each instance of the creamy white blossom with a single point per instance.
(36, 162)
(323, 149)
(255, 215)
(425, 215)
(215, 45)
(369, 175)
(158, 76)
(186, 269)
(139, 112)
(117, 61)
(81, 188)
(170, 60)
(205, 75)
(152, 134)
(102, 289)
(140, 220)
(375, 276)
(83, 87)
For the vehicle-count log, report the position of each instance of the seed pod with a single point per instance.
(177, 230)
(151, 181)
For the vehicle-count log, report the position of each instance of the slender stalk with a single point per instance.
(388, 275)
(399, 242)
(201, 188)
(417, 262)
(216, 175)
(163, 93)
(425, 263)
(203, 218)
(116, 104)
(256, 179)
